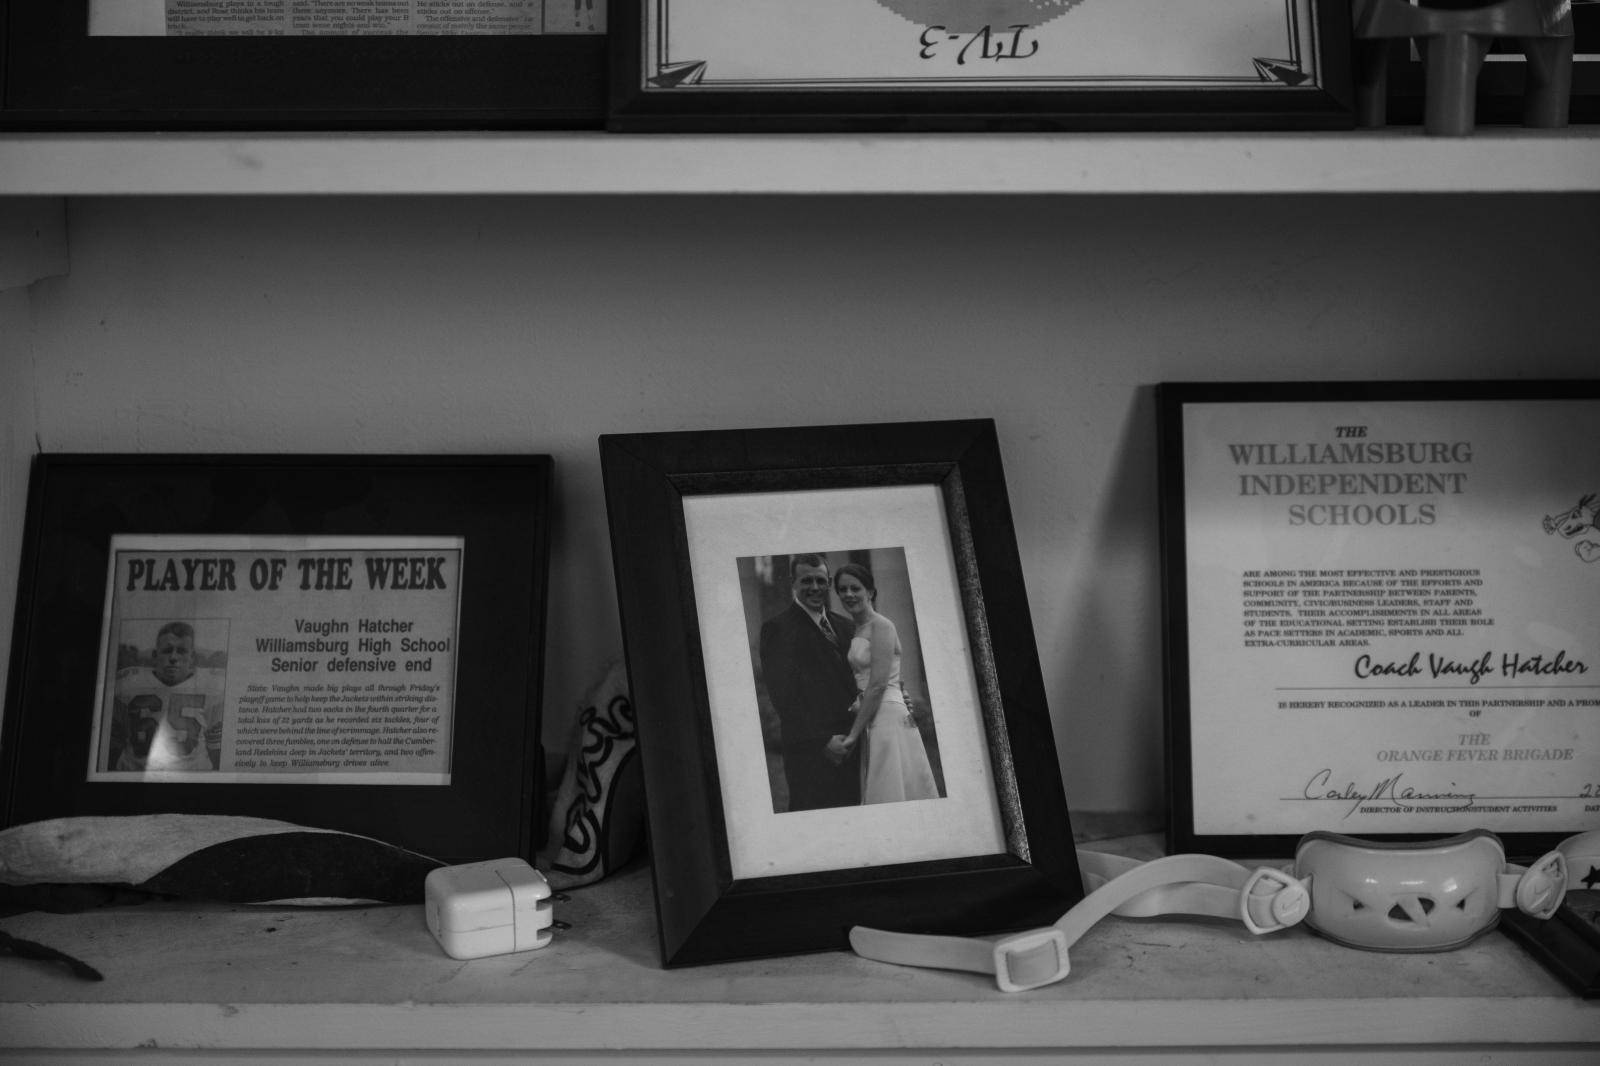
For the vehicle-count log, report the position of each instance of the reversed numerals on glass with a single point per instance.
(997, 45)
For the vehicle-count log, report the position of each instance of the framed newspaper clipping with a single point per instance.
(346, 643)
(1003, 65)
(1380, 611)
(289, 64)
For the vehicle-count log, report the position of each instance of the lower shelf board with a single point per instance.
(266, 979)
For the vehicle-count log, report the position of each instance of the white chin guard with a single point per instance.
(1431, 896)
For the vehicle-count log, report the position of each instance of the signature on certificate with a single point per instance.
(1388, 791)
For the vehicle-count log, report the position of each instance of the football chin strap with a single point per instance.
(1265, 899)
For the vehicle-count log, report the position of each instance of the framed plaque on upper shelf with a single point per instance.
(295, 64)
(1380, 611)
(1004, 65)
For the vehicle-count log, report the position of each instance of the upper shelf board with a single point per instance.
(1381, 161)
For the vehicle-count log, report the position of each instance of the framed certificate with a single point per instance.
(348, 643)
(1000, 65)
(1380, 611)
(333, 64)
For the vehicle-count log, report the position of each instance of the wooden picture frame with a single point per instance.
(58, 77)
(1367, 587)
(920, 65)
(364, 642)
(703, 522)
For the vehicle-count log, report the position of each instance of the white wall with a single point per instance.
(459, 325)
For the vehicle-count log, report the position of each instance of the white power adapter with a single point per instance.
(488, 908)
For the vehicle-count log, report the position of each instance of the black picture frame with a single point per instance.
(653, 89)
(57, 77)
(1567, 944)
(1179, 619)
(1499, 98)
(498, 507)
(706, 913)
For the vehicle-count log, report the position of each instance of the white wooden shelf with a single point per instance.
(270, 983)
(1381, 161)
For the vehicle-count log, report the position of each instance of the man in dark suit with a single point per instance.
(812, 687)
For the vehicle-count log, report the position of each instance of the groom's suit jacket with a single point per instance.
(807, 677)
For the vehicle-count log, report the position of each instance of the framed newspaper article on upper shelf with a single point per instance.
(294, 64)
(1003, 65)
(347, 643)
(1380, 611)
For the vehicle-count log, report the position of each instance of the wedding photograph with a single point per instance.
(845, 719)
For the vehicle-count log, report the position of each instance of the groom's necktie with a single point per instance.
(827, 630)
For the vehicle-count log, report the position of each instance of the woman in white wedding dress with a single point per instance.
(894, 762)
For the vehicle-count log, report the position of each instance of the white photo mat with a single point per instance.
(967, 821)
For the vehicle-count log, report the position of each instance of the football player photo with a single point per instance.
(167, 712)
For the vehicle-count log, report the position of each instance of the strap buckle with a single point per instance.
(1542, 888)
(1286, 899)
(1030, 960)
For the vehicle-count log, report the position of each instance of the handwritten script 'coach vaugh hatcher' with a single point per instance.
(1510, 665)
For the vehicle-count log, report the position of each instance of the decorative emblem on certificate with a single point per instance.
(1381, 611)
(1146, 63)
